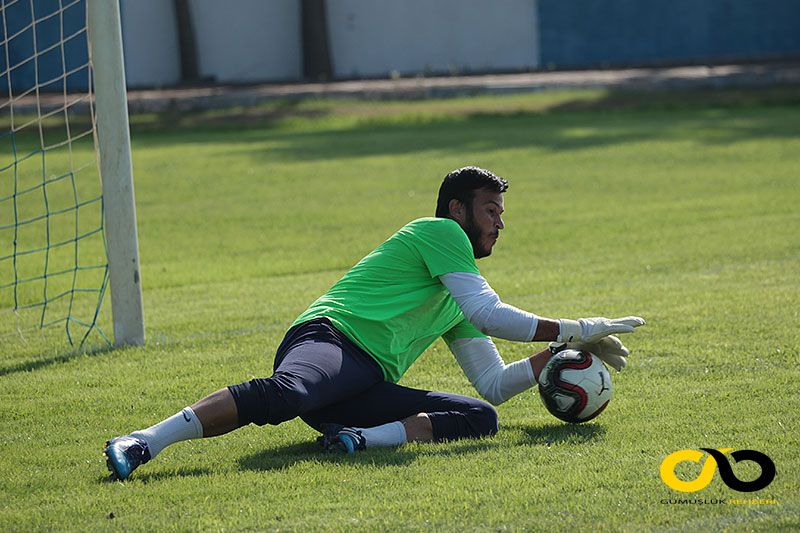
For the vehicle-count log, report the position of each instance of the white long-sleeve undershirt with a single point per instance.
(494, 380)
(482, 307)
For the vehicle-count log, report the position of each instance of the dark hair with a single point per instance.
(461, 185)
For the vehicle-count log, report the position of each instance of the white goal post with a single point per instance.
(116, 170)
(68, 231)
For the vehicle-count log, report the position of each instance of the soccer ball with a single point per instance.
(575, 386)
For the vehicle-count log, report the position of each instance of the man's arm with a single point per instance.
(494, 380)
(547, 329)
(538, 361)
(482, 307)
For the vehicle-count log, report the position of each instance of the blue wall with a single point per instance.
(48, 32)
(579, 33)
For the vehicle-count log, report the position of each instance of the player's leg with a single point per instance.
(388, 414)
(418, 428)
(211, 416)
(319, 369)
(314, 367)
(217, 413)
(348, 439)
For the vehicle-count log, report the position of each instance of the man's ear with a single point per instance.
(457, 211)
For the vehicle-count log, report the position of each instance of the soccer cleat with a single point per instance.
(329, 432)
(124, 454)
(340, 439)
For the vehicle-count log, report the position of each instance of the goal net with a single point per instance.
(54, 239)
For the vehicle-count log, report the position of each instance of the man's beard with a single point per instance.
(475, 235)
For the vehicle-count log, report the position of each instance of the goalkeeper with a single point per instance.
(339, 364)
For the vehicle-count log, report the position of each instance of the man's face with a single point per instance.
(483, 222)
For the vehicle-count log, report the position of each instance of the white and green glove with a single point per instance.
(591, 330)
(609, 349)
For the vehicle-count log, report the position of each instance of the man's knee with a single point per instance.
(270, 400)
(486, 419)
(474, 419)
(252, 401)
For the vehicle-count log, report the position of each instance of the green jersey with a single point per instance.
(392, 303)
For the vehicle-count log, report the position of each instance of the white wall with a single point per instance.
(150, 42)
(238, 41)
(248, 40)
(376, 37)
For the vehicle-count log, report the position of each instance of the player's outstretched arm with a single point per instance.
(494, 380)
(481, 305)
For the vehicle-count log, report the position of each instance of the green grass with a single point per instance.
(678, 207)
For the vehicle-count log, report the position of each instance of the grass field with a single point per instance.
(677, 207)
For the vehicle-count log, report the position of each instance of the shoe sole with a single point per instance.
(110, 464)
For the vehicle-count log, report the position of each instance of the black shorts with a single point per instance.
(324, 377)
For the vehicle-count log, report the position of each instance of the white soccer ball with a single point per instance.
(575, 386)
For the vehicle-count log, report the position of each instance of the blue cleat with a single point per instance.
(329, 432)
(124, 455)
(340, 439)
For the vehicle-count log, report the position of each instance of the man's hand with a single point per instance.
(593, 329)
(609, 349)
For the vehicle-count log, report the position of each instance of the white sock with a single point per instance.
(180, 426)
(391, 434)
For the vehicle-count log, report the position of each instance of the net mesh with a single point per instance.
(53, 263)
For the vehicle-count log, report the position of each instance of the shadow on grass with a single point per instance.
(282, 457)
(716, 115)
(147, 477)
(557, 433)
(62, 357)
(289, 455)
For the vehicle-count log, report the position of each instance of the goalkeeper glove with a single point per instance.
(593, 329)
(609, 349)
